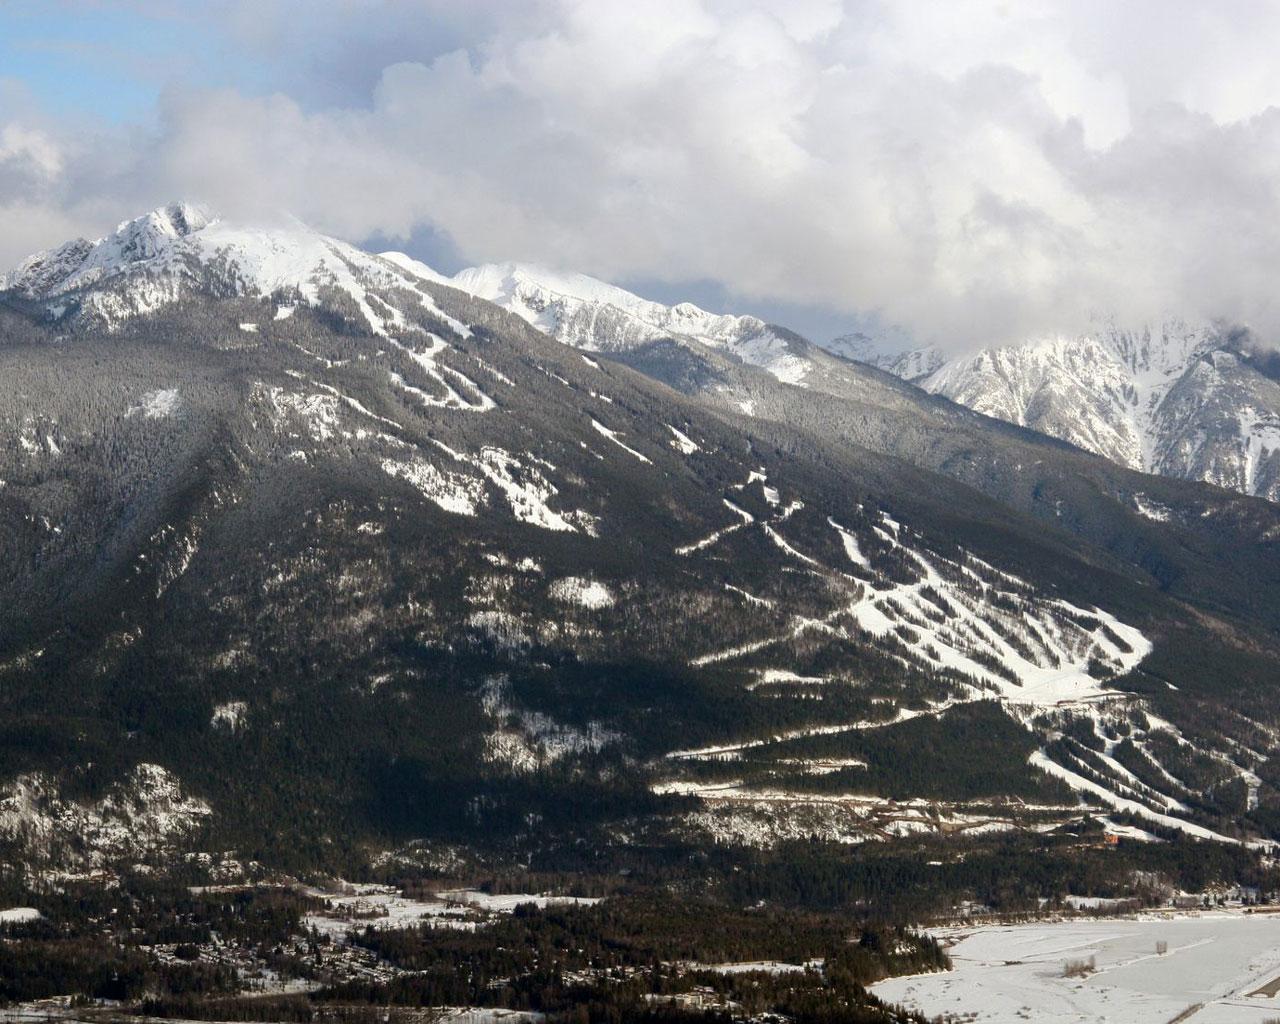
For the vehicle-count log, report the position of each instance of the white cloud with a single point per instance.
(973, 170)
(29, 151)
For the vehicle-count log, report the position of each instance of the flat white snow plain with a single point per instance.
(1014, 973)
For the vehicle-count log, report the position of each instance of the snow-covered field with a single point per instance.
(505, 903)
(755, 966)
(361, 906)
(355, 907)
(1214, 965)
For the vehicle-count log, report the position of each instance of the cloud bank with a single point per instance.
(976, 172)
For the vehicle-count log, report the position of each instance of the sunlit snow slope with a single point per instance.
(590, 314)
(1180, 401)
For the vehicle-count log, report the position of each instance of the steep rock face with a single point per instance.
(1177, 401)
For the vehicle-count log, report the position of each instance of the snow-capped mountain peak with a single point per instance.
(152, 233)
(1174, 399)
(524, 287)
(910, 365)
(591, 314)
(79, 263)
(152, 260)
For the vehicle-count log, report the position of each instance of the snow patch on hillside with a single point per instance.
(526, 489)
(441, 375)
(145, 812)
(1151, 509)
(590, 594)
(453, 492)
(1045, 649)
(231, 716)
(604, 431)
(682, 443)
(157, 404)
(524, 741)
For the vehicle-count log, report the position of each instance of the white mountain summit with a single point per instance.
(1176, 400)
(149, 262)
(590, 314)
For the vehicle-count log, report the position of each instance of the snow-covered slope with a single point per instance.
(149, 262)
(590, 314)
(911, 365)
(1179, 401)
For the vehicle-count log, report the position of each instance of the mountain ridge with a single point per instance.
(541, 576)
(590, 314)
(1177, 400)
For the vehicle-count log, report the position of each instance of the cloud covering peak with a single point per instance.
(973, 171)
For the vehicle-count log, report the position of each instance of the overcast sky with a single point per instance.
(971, 171)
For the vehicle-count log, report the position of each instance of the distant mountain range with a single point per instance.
(313, 553)
(1196, 403)
(1192, 403)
